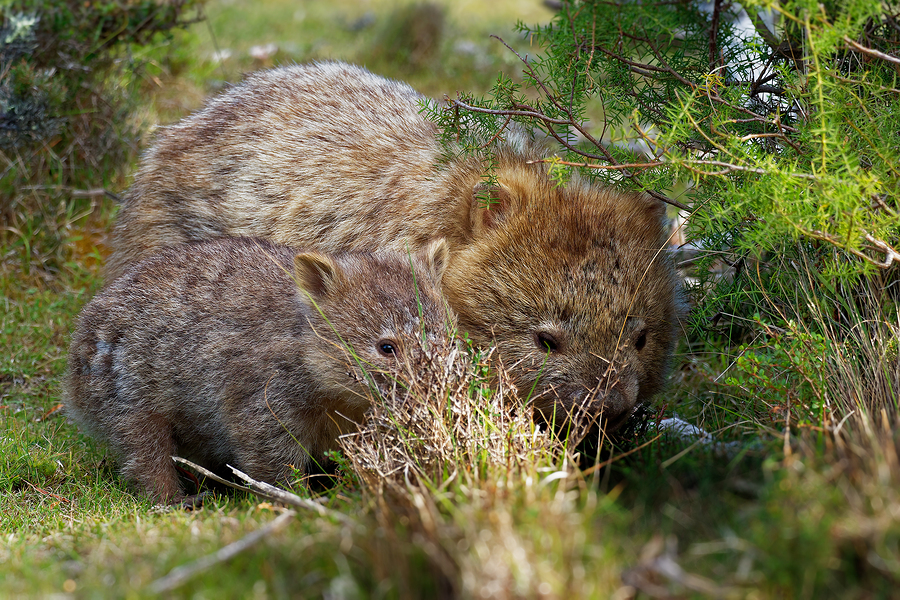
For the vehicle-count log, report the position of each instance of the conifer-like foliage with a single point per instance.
(780, 120)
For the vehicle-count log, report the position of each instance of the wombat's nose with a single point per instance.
(608, 403)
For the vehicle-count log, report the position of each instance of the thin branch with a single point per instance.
(528, 111)
(503, 113)
(639, 65)
(871, 51)
(652, 193)
(890, 254)
(578, 127)
(556, 161)
(762, 78)
(659, 57)
(760, 89)
(663, 198)
(880, 88)
(267, 492)
(730, 168)
(688, 164)
(537, 115)
(45, 492)
(687, 83)
(567, 110)
(497, 135)
(879, 200)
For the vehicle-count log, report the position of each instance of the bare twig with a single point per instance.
(503, 113)
(557, 161)
(871, 51)
(880, 88)
(879, 200)
(572, 122)
(45, 492)
(180, 575)
(730, 168)
(727, 167)
(289, 498)
(890, 254)
(499, 132)
(266, 491)
(454, 104)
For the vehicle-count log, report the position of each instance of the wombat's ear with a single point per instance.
(653, 208)
(652, 214)
(491, 204)
(436, 255)
(315, 272)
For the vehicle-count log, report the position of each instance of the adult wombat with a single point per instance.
(235, 351)
(573, 283)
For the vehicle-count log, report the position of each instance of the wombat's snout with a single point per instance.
(608, 398)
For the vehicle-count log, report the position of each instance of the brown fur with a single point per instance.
(333, 157)
(214, 352)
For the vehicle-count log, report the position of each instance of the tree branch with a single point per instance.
(871, 51)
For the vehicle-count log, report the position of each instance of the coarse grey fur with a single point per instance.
(235, 351)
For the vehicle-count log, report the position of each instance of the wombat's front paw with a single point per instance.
(194, 501)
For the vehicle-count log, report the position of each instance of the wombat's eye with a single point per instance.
(546, 342)
(641, 340)
(387, 348)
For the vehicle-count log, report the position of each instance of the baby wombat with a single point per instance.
(235, 351)
(572, 283)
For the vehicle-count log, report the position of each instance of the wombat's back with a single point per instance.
(220, 352)
(328, 156)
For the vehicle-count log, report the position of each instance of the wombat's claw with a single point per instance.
(194, 501)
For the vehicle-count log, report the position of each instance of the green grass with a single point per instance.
(376, 34)
(801, 515)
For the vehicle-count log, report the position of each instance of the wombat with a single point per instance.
(572, 283)
(235, 351)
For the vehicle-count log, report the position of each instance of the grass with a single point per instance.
(457, 494)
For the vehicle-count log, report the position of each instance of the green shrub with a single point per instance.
(69, 71)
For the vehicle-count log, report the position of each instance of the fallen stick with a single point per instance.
(268, 492)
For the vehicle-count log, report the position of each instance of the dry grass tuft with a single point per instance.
(450, 456)
(442, 420)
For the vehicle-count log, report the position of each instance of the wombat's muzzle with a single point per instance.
(607, 403)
